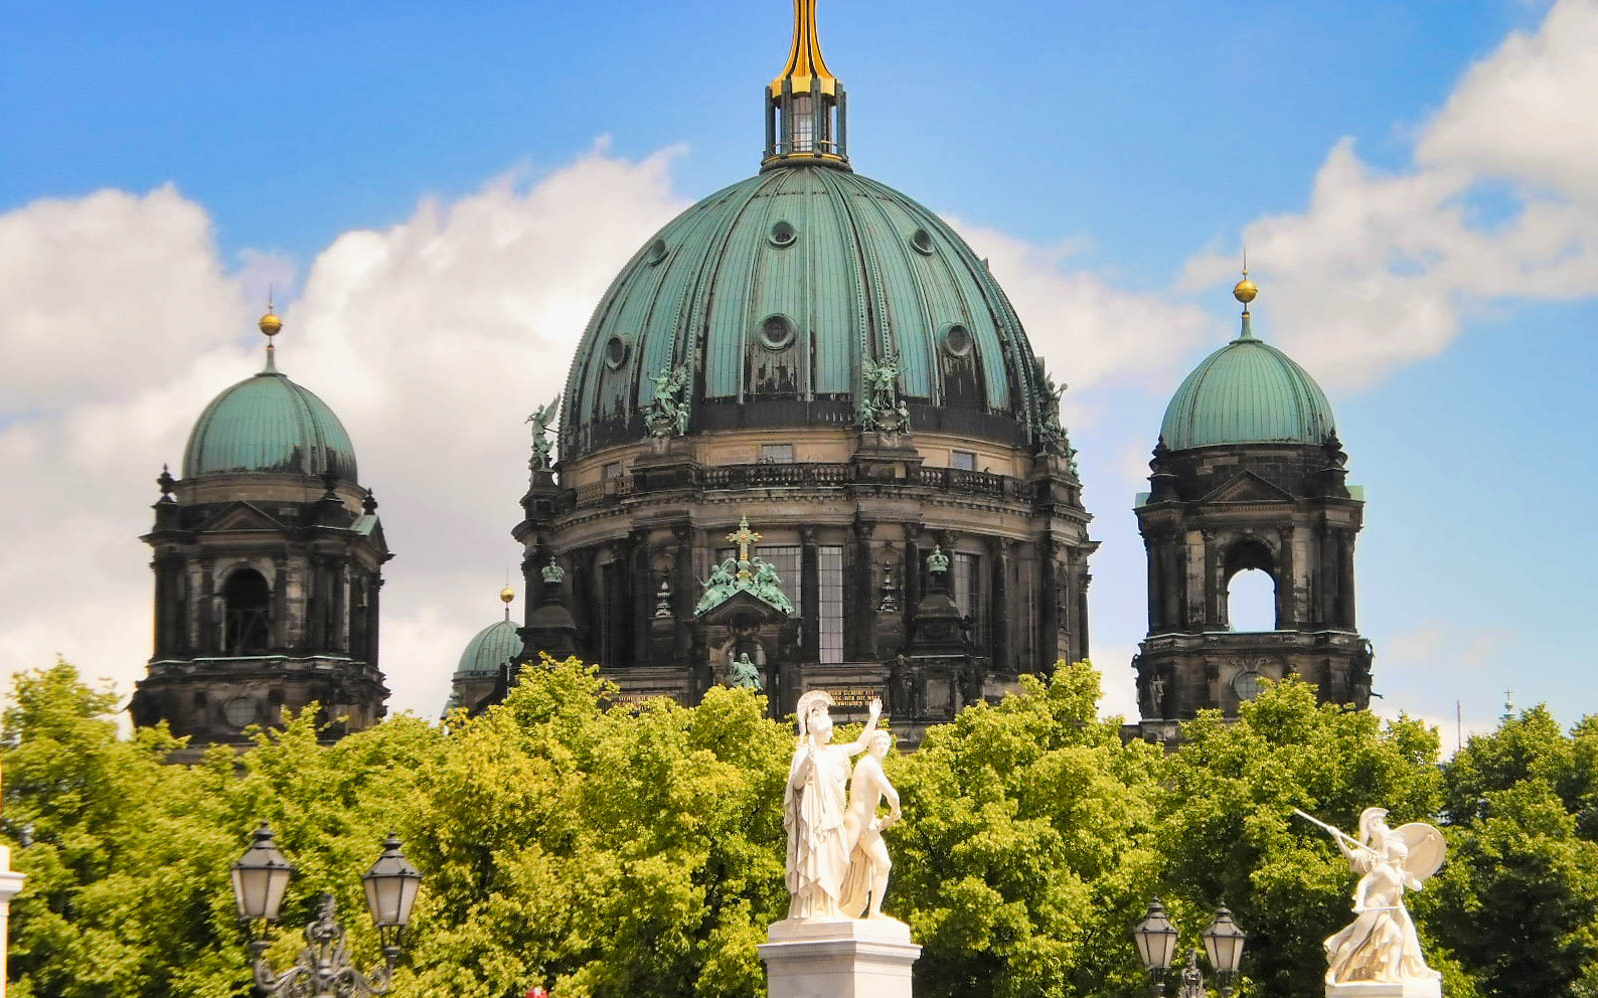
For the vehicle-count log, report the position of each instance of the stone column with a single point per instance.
(206, 645)
(912, 574)
(642, 592)
(1212, 594)
(1345, 578)
(1083, 652)
(1048, 604)
(684, 591)
(1286, 592)
(810, 595)
(864, 609)
(1326, 563)
(280, 602)
(999, 607)
(1151, 554)
(374, 617)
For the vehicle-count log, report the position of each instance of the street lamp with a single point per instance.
(323, 969)
(1156, 946)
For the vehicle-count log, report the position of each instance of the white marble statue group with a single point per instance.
(1380, 945)
(837, 862)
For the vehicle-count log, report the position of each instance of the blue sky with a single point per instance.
(1428, 267)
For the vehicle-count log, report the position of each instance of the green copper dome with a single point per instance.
(774, 290)
(1246, 392)
(490, 651)
(268, 423)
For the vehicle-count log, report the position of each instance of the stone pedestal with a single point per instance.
(839, 958)
(11, 883)
(1380, 989)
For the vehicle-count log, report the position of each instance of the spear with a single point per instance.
(1337, 832)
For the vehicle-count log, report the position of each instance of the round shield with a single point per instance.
(1426, 848)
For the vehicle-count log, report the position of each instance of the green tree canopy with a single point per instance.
(618, 849)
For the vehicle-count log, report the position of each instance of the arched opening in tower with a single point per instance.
(247, 623)
(1249, 599)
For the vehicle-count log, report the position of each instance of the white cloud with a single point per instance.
(431, 339)
(1382, 269)
(1087, 330)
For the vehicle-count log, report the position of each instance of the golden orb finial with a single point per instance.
(507, 594)
(1245, 290)
(270, 324)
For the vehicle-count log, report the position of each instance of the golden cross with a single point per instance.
(744, 538)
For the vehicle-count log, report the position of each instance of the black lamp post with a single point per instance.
(323, 968)
(1156, 946)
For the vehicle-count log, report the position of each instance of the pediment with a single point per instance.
(743, 609)
(240, 515)
(1249, 487)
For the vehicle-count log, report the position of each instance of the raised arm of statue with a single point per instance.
(873, 710)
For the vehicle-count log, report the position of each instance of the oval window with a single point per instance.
(776, 332)
(921, 240)
(783, 234)
(957, 340)
(1247, 685)
(615, 352)
(657, 251)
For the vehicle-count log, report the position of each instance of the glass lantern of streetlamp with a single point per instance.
(1223, 942)
(260, 877)
(1156, 939)
(391, 887)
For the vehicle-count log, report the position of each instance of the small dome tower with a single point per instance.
(268, 561)
(1248, 474)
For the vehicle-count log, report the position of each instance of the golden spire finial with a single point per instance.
(1245, 290)
(506, 595)
(270, 325)
(804, 56)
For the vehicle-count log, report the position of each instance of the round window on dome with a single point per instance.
(776, 332)
(957, 340)
(657, 251)
(615, 352)
(783, 234)
(921, 241)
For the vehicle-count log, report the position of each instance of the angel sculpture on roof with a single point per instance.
(541, 418)
(1380, 945)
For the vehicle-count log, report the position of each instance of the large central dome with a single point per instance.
(773, 291)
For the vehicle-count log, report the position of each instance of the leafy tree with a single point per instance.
(1024, 855)
(1518, 898)
(1229, 834)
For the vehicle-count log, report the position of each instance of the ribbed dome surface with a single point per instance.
(488, 652)
(1246, 392)
(269, 423)
(777, 287)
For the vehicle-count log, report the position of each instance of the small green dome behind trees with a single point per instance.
(268, 423)
(488, 652)
(1246, 392)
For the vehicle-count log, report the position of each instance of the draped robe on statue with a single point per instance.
(813, 815)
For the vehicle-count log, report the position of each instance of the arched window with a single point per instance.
(246, 619)
(1249, 599)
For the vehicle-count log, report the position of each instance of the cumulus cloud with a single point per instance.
(1382, 269)
(1087, 331)
(432, 339)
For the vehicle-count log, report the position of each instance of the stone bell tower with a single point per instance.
(1248, 474)
(268, 559)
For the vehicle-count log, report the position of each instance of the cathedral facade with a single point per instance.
(804, 444)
